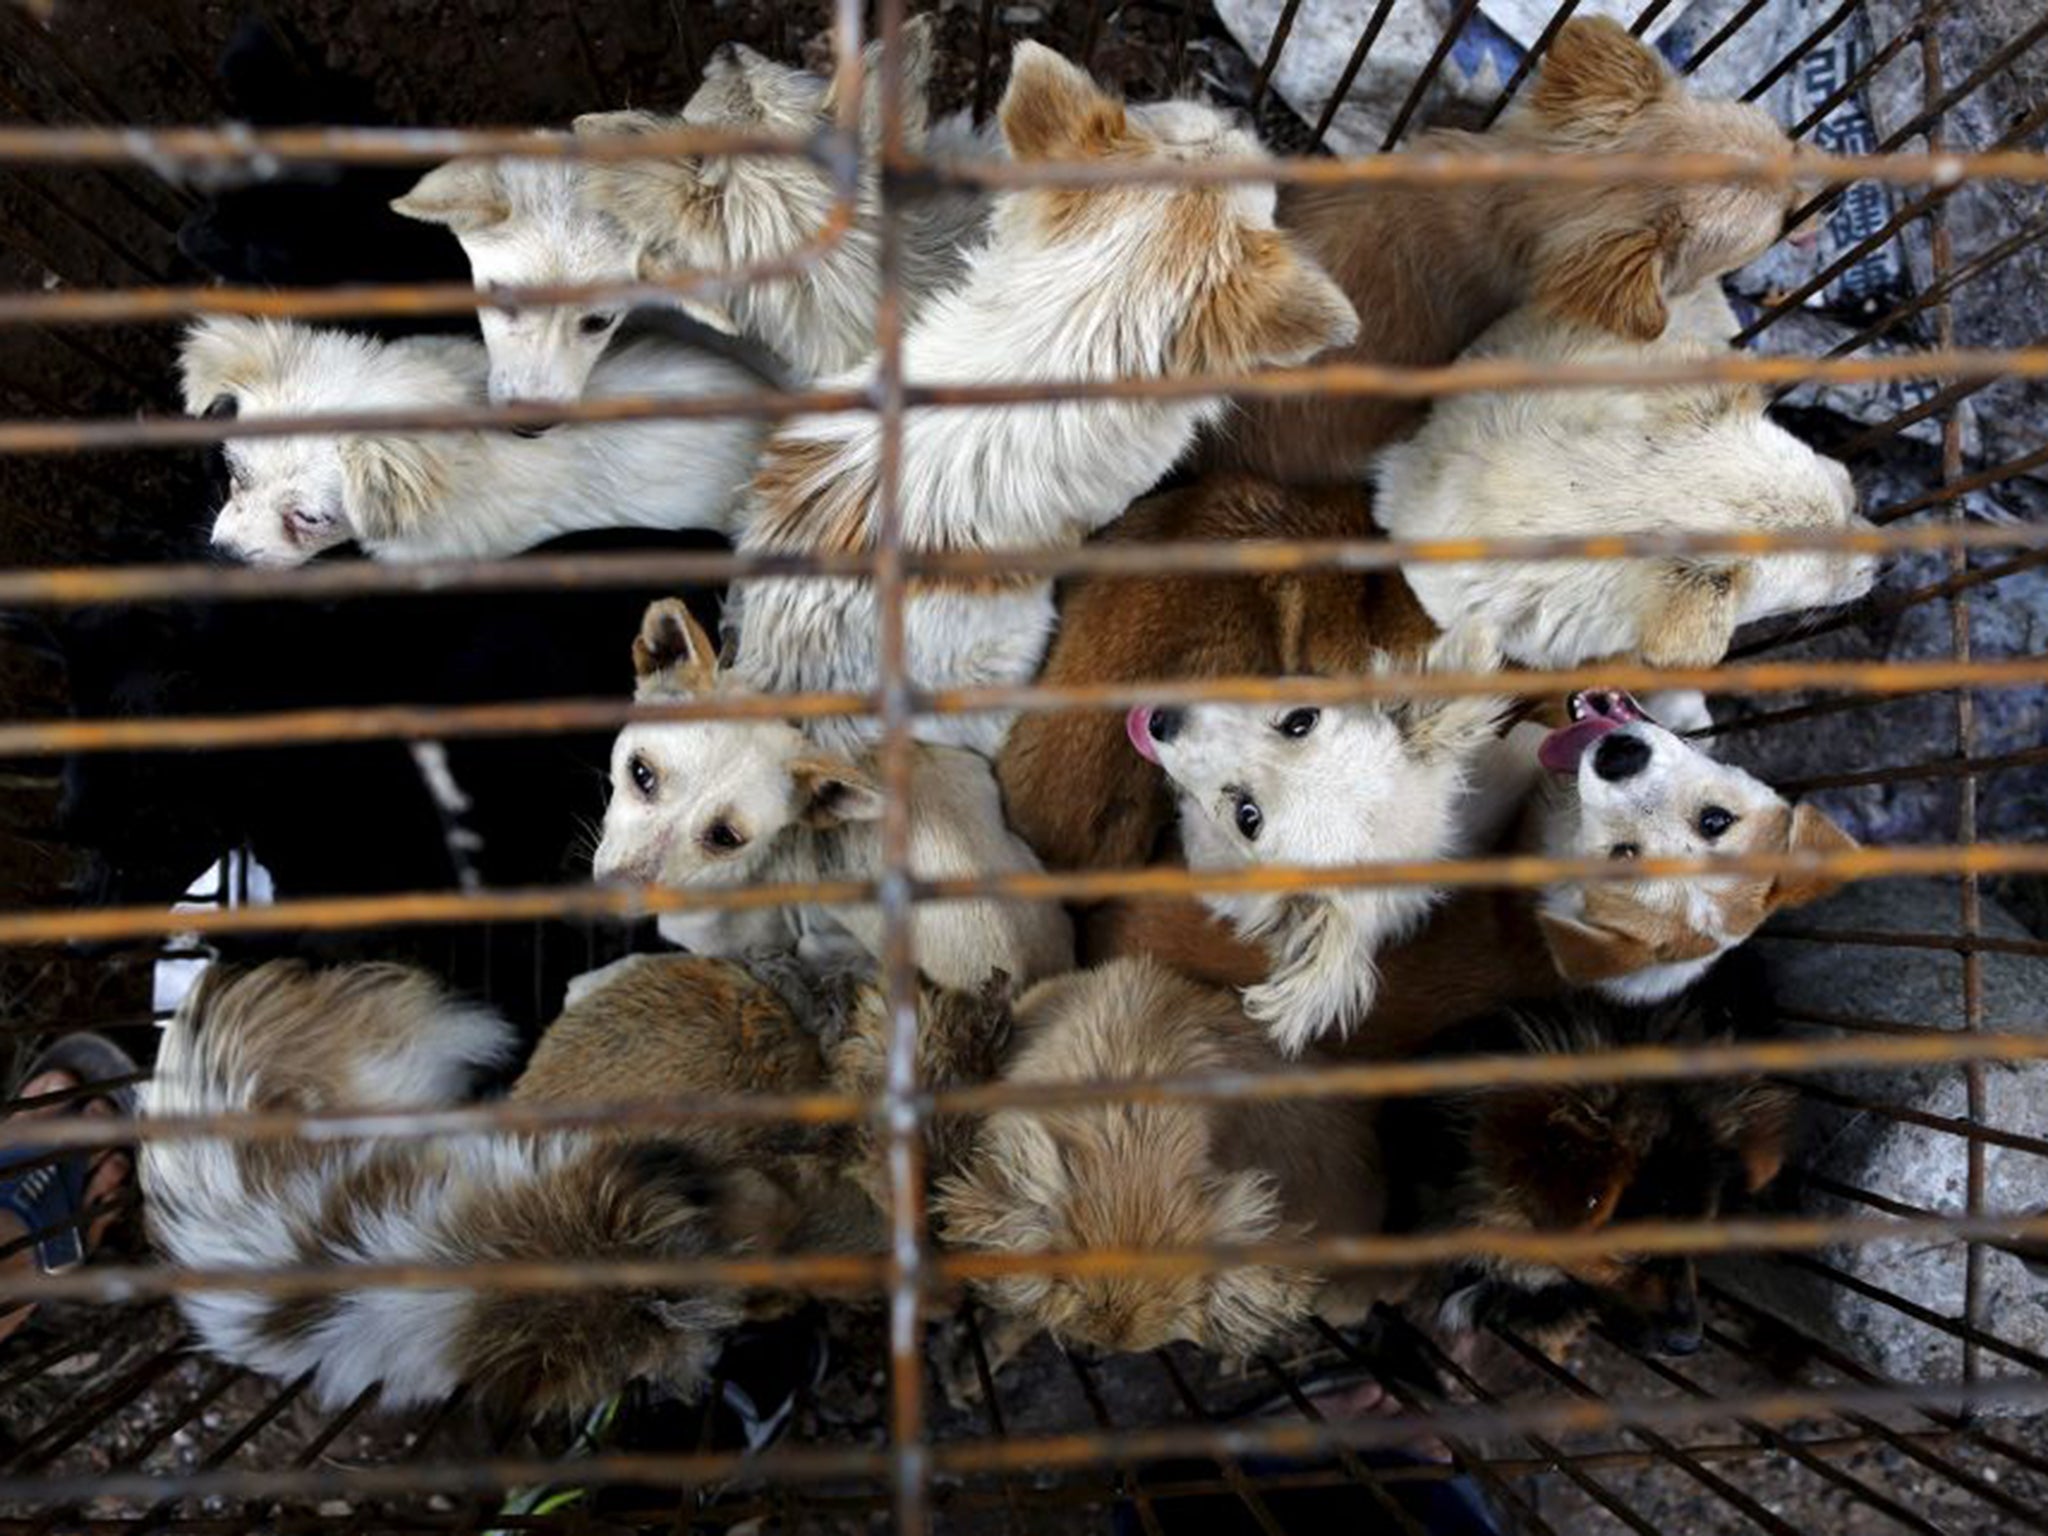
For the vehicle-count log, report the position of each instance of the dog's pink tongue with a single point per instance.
(1562, 749)
(1138, 726)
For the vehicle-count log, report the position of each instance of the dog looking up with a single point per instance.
(1107, 282)
(1430, 267)
(525, 223)
(1180, 1173)
(448, 495)
(1690, 458)
(1580, 1158)
(1270, 784)
(374, 1037)
(719, 803)
(1651, 794)
(1072, 787)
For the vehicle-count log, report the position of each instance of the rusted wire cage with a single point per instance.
(112, 1422)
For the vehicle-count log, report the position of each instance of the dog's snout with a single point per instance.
(1165, 724)
(1621, 755)
(532, 429)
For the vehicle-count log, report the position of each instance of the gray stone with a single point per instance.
(1917, 1165)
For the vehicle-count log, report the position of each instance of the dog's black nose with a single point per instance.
(1621, 755)
(1164, 724)
(533, 429)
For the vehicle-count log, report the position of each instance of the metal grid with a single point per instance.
(1535, 1433)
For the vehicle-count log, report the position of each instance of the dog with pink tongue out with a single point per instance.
(1622, 785)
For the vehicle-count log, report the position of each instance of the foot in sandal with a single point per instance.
(56, 1207)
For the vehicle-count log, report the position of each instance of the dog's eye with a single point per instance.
(723, 837)
(1624, 851)
(1714, 821)
(644, 777)
(596, 324)
(1249, 817)
(1297, 723)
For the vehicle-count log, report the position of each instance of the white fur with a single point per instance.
(1365, 783)
(206, 1211)
(1104, 298)
(1698, 458)
(1655, 812)
(453, 495)
(809, 816)
(535, 223)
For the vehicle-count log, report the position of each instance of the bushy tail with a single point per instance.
(286, 1038)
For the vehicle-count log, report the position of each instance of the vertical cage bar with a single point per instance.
(1530, 60)
(1281, 28)
(1352, 66)
(1942, 255)
(1427, 77)
(899, 974)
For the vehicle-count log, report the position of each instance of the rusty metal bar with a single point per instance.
(1281, 28)
(1366, 38)
(431, 908)
(1849, 1483)
(1965, 768)
(1965, 1332)
(1429, 73)
(1735, 1497)
(168, 151)
(1952, 491)
(1335, 1079)
(1233, 1472)
(1529, 61)
(1881, 938)
(546, 717)
(1128, 1481)
(75, 586)
(1720, 39)
(1827, 28)
(1955, 278)
(1969, 1130)
(908, 1239)
(1972, 576)
(1871, 68)
(1788, 1236)
(1355, 1470)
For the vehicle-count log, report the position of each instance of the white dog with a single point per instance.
(1697, 458)
(539, 222)
(728, 803)
(1103, 283)
(1304, 786)
(1623, 786)
(449, 495)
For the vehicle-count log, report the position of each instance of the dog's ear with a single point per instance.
(1754, 1121)
(672, 654)
(215, 361)
(1553, 1152)
(1448, 729)
(1809, 832)
(1053, 110)
(1322, 978)
(463, 195)
(831, 791)
(1585, 953)
(390, 485)
(917, 74)
(1276, 307)
(1612, 279)
(1596, 75)
(1689, 610)
(1246, 1307)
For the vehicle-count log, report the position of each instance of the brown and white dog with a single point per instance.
(1430, 267)
(1137, 281)
(1619, 786)
(1174, 1174)
(284, 1037)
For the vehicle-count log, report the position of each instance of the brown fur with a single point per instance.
(1073, 786)
(1581, 1158)
(1156, 1175)
(1430, 267)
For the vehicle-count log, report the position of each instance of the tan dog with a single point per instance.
(1158, 1175)
(1430, 267)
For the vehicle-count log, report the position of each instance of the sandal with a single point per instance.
(47, 1195)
